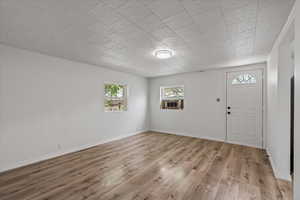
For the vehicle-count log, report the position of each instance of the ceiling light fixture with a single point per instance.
(163, 53)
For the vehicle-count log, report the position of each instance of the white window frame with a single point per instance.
(126, 92)
(161, 95)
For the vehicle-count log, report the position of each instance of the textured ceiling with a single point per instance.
(122, 34)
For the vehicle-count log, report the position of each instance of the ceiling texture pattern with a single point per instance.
(122, 34)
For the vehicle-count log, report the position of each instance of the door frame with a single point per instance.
(263, 119)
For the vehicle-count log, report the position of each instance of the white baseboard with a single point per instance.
(202, 137)
(60, 153)
(272, 164)
(247, 145)
(277, 174)
(188, 135)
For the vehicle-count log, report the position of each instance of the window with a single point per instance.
(115, 97)
(244, 79)
(172, 98)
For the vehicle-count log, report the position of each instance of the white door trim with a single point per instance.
(263, 119)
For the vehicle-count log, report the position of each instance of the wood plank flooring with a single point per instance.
(286, 189)
(148, 166)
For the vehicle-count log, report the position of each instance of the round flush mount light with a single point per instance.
(163, 53)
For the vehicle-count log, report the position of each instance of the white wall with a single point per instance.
(50, 106)
(201, 92)
(297, 103)
(280, 69)
(202, 116)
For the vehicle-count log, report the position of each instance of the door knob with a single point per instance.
(228, 113)
(229, 107)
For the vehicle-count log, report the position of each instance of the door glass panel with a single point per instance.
(244, 79)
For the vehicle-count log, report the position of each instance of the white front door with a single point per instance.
(244, 108)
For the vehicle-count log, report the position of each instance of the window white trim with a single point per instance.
(163, 98)
(124, 98)
(172, 86)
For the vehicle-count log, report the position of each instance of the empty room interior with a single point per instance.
(149, 99)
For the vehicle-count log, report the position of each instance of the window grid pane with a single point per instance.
(244, 79)
(173, 93)
(115, 97)
(172, 98)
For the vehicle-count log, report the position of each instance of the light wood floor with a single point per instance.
(149, 166)
(286, 189)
